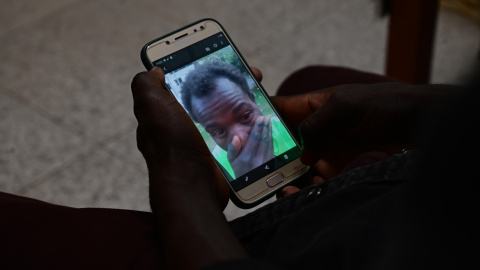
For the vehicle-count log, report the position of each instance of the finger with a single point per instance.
(316, 180)
(145, 82)
(287, 191)
(327, 167)
(234, 148)
(161, 118)
(308, 157)
(270, 150)
(329, 122)
(150, 98)
(265, 141)
(258, 74)
(295, 109)
(252, 144)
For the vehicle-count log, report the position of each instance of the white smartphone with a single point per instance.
(247, 137)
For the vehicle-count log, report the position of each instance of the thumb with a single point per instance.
(162, 122)
(329, 122)
(151, 100)
(234, 148)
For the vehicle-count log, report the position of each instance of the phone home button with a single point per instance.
(275, 180)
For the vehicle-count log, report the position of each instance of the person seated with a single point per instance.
(394, 185)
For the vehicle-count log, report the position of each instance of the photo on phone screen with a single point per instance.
(241, 129)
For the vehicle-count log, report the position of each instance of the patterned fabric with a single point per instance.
(396, 169)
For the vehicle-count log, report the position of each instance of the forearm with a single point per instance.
(434, 94)
(193, 230)
(187, 190)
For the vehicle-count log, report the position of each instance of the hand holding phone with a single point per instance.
(208, 76)
(175, 153)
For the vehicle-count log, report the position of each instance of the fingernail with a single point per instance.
(259, 120)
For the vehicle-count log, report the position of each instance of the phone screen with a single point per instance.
(237, 122)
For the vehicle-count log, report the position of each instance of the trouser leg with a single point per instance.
(39, 235)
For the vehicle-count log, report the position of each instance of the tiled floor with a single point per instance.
(67, 131)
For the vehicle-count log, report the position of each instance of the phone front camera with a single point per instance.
(194, 30)
(202, 27)
(168, 42)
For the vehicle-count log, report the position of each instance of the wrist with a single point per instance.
(200, 233)
(186, 180)
(191, 224)
(168, 199)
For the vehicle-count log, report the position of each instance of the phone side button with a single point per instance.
(275, 180)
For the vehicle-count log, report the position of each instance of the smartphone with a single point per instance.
(248, 139)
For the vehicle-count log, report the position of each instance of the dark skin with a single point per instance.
(236, 124)
(187, 190)
(357, 119)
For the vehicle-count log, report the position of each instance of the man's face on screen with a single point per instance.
(226, 112)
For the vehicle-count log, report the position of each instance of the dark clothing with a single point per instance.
(412, 210)
(343, 223)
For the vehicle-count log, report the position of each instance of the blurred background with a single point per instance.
(67, 130)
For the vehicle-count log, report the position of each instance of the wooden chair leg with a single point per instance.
(410, 40)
